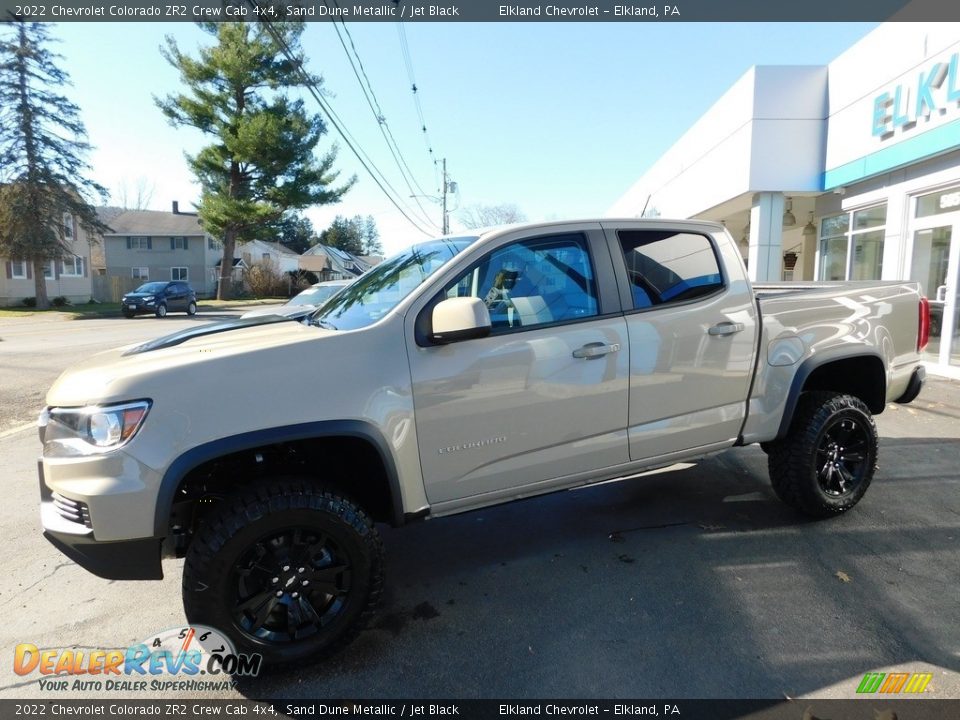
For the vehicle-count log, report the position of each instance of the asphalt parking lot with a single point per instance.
(689, 584)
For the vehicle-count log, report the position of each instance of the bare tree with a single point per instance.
(477, 216)
(138, 196)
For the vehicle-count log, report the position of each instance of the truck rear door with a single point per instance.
(692, 330)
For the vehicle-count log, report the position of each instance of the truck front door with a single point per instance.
(543, 399)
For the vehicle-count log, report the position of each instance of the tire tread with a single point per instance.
(789, 460)
(256, 502)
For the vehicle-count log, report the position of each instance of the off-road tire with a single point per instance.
(192, 308)
(161, 310)
(250, 521)
(827, 429)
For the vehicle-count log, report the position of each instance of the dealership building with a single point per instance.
(848, 171)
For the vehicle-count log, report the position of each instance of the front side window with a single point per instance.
(665, 266)
(381, 289)
(179, 273)
(533, 282)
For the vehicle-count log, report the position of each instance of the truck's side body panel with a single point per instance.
(805, 327)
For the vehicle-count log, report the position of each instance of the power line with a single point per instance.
(408, 62)
(338, 125)
(378, 114)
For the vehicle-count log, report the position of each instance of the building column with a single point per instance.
(809, 257)
(766, 237)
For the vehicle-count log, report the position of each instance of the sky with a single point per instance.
(559, 119)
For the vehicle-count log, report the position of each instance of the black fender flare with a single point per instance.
(806, 369)
(196, 456)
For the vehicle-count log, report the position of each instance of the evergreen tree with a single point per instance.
(296, 232)
(42, 148)
(371, 237)
(261, 161)
(344, 234)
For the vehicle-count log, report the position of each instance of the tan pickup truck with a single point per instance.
(463, 372)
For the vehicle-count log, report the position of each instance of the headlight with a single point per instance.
(150, 301)
(92, 429)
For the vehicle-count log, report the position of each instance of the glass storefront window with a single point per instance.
(833, 258)
(835, 225)
(857, 236)
(943, 201)
(870, 218)
(867, 256)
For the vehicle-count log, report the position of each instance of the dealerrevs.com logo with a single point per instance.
(186, 659)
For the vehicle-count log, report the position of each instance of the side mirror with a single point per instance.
(462, 318)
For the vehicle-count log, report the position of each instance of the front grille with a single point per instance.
(72, 510)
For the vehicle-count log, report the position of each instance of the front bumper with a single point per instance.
(73, 534)
(122, 560)
(137, 307)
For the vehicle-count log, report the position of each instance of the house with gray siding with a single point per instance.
(68, 277)
(147, 245)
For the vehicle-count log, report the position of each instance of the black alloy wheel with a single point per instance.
(291, 584)
(286, 568)
(842, 457)
(825, 463)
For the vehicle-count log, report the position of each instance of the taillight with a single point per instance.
(923, 337)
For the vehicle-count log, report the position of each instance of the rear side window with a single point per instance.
(665, 266)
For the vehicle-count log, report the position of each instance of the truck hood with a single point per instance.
(142, 370)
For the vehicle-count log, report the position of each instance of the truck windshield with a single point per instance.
(378, 291)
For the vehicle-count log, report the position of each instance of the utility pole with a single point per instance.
(446, 219)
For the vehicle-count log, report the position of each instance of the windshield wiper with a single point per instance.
(317, 322)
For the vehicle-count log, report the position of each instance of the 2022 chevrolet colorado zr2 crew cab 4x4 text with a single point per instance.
(463, 372)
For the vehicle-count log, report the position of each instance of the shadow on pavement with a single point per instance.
(690, 584)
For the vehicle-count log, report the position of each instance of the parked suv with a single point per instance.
(160, 298)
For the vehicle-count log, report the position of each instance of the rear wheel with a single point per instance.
(825, 464)
(285, 569)
(192, 308)
(161, 310)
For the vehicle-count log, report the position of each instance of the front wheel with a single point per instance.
(285, 569)
(192, 308)
(825, 464)
(161, 310)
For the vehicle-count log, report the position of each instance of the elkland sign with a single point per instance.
(936, 92)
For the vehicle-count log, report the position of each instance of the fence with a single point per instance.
(111, 288)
